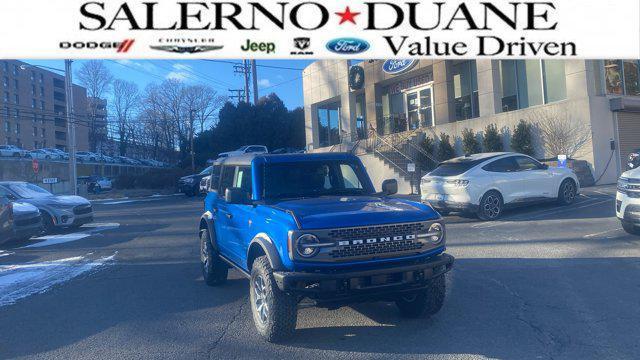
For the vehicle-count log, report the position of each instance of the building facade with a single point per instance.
(598, 98)
(33, 108)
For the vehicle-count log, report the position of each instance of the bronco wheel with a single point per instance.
(425, 302)
(214, 270)
(567, 192)
(630, 228)
(491, 206)
(274, 312)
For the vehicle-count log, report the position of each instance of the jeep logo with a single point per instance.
(266, 47)
(376, 240)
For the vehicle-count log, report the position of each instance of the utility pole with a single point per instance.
(71, 127)
(254, 77)
(239, 94)
(244, 70)
(193, 161)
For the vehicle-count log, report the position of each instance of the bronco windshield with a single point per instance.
(314, 178)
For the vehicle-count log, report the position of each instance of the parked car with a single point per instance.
(287, 150)
(312, 226)
(57, 211)
(248, 149)
(12, 150)
(106, 159)
(57, 154)
(487, 183)
(628, 201)
(41, 154)
(96, 183)
(190, 185)
(634, 159)
(87, 156)
(18, 220)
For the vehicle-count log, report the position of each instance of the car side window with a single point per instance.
(226, 181)
(507, 164)
(526, 164)
(253, 149)
(243, 179)
(350, 178)
(215, 177)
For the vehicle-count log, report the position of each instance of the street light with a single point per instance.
(71, 126)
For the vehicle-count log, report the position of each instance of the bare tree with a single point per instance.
(95, 76)
(126, 99)
(561, 133)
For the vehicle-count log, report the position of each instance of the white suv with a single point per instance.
(247, 149)
(487, 183)
(628, 201)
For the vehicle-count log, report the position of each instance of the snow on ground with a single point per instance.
(5, 253)
(20, 281)
(85, 231)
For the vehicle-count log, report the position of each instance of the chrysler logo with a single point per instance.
(186, 49)
(347, 46)
(377, 240)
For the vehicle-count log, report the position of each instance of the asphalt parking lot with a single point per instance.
(544, 282)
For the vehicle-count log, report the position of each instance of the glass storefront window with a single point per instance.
(613, 76)
(361, 117)
(465, 89)
(531, 82)
(329, 124)
(555, 85)
(631, 77)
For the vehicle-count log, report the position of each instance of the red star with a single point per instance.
(347, 15)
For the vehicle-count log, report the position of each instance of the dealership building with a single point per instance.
(346, 104)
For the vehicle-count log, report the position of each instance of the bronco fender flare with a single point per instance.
(206, 222)
(262, 243)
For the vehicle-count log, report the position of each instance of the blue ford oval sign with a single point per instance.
(398, 66)
(347, 46)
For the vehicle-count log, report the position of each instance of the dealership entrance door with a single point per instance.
(419, 107)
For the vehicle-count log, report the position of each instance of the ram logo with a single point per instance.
(376, 240)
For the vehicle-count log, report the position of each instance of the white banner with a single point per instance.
(319, 29)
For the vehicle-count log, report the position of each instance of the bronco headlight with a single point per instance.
(436, 233)
(307, 245)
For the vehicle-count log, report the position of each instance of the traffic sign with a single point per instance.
(411, 167)
(50, 180)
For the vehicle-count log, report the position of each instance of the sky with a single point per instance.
(219, 74)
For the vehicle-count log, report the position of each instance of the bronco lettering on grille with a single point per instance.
(377, 240)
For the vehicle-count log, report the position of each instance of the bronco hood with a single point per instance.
(347, 211)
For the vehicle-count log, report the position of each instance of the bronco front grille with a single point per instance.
(377, 248)
(379, 230)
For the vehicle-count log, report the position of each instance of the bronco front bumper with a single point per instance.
(372, 284)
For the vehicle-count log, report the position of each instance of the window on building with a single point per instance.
(17, 128)
(6, 66)
(42, 105)
(60, 122)
(329, 124)
(394, 117)
(33, 103)
(528, 83)
(35, 131)
(33, 75)
(16, 70)
(16, 98)
(61, 135)
(58, 96)
(7, 127)
(361, 117)
(622, 77)
(33, 90)
(465, 89)
(41, 78)
(5, 81)
(6, 96)
(16, 114)
(59, 110)
(41, 91)
(43, 132)
(58, 83)
(16, 84)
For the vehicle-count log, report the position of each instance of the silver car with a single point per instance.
(57, 211)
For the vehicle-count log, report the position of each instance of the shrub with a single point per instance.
(492, 141)
(425, 162)
(445, 150)
(470, 144)
(153, 179)
(522, 140)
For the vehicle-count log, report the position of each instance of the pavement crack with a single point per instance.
(224, 331)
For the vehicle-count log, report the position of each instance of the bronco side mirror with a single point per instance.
(390, 186)
(236, 196)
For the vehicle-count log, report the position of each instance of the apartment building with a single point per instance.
(345, 103)
(33, 108)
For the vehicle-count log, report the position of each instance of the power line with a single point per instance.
(258, 65)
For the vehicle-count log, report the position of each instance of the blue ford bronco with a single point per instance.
(311, 226)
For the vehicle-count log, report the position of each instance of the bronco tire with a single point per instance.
(425, 302)
(567, 192)
(274, 312)
(491, 206)
(214, 270)
(630, 228)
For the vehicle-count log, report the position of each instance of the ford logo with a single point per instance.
(398, 66)
(347, 46)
